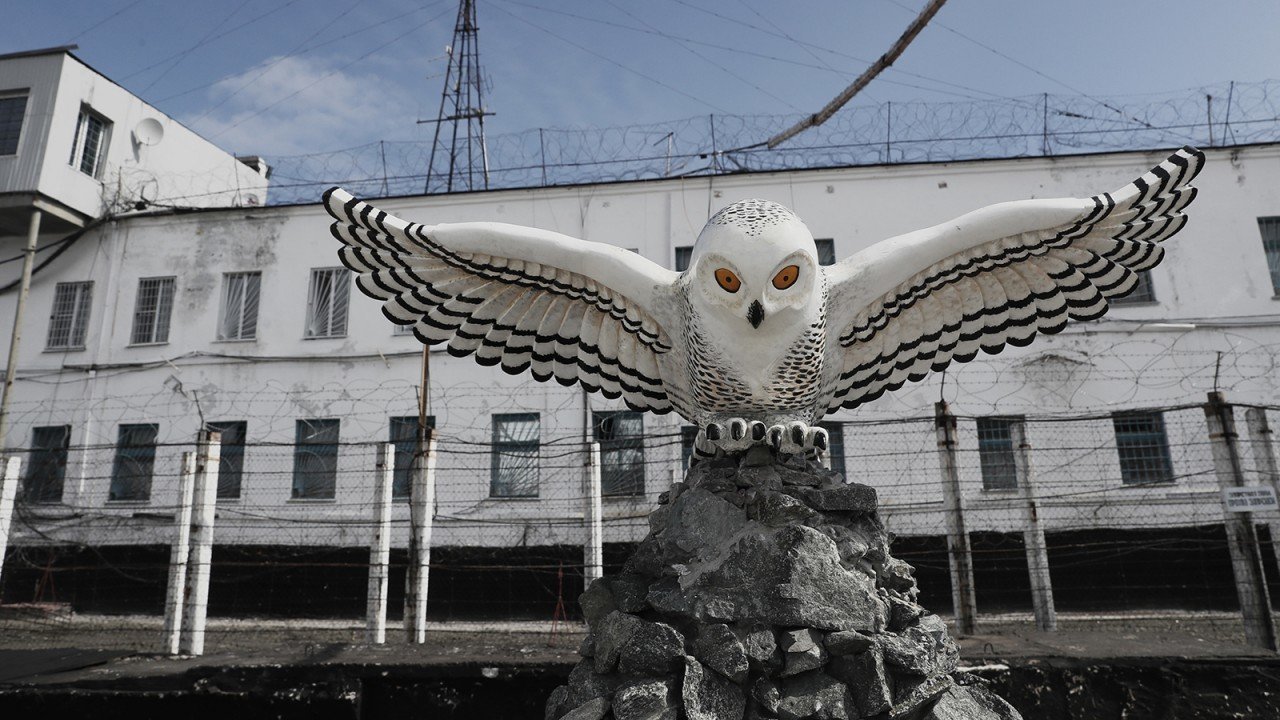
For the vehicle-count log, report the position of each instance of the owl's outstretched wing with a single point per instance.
(516, 297)
(917, 302)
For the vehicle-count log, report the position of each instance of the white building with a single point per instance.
(161, 321)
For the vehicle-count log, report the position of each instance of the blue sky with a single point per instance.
(284, 77)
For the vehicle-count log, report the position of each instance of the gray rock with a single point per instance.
(556, 702)
(586, 648)
(961, 703)
(590, 710)
(585, 684)
(858, 499)
(903, 613)
(847, 642)
(814, 696)
(790, 475)
(629, 593)
(659, 517)
(719, 649)
(707, 696)
(667, 597)
(914, 699)
(700, 521)
(760, 646)
(898, 576)
(922, 649)
(597, 601)
(612, 633)
(804, 651)
(653, 649)
(758, 456)
(766, 694)
(645, 700)
(776, 509)
(869, 683)
(646, 561)
(995, 704)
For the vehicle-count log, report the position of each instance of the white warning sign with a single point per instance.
(1249, 499)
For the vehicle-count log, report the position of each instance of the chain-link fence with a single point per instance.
(1111, 511)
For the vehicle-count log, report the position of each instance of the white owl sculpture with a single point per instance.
(756, 341)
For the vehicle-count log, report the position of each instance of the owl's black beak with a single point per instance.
(755, 314)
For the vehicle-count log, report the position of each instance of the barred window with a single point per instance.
(135, 461)
(514, 468)
(1270, 227)
(1144, 448)
(327, 302)
(93, 133)
(12, 109)
(996, 452)
(826, 250)
(404, 436)
(69, 321)
(231, 460)
(621, 438)
(684, 254)
(152, 311)
(835, 431)
(315, 459)
(1143, 292)
(239, 320)
(47, 464)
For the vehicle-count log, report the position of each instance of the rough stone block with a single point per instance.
(915, 698)
(760, 645)
(766, 694)
(847, 642)
(653, 648)
(923, 649)
(590, 710)
(903, 613)
(959, 703)
(611, 634)
(707, 696)
(868, 681)
(776, 509)
(719, 649)
(645, 700)
(857, 499)
(814, 696)
(629, 593)
(804, 651)
(700, 522)
(597, 601)
(556, 702)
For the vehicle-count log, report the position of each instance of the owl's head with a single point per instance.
(757, 261)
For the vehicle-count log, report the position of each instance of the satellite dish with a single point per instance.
(148, 132)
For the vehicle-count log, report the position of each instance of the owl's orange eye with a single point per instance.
(728, 280)
(786, 277)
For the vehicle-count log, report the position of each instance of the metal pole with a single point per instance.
(422, 500)
(380, 546)
(178, 555)
(1033, 533)
(11, 369)
(959, 553)
(1264, 460)
(8, 492)
(1242, 539)
(593, 552)
(208, 454)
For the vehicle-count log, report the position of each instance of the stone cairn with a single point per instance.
(765, 589)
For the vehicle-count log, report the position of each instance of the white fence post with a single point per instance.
(422, 502)
(208, 454)
(380, 546)
(8, 493)
(593, 551)
(1033, 533)
(1242, 538)
(178, 552)
(959, 554)
(1264, 459)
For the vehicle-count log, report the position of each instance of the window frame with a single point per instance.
(614, 475)
(687, 252)
(133, 487)
(404, 448)
(1269, 229)
(1155, 443)
(338, 301)
(999, 464)
(1144, 293)
(501, 446)
(246, 331)
(46, 456)
(77, 319)
(24, 95)
(835, 438)
(79, 147)
(161, 314)
(324, 452)
(819, 244)
(230, 457)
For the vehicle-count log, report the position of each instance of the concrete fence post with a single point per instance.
(959, 554)
(380, 546)
(8, 494)
(593, 549)
(1242, 538)
(178, 556)
(1033, 532)
(205, 493)
(1264, 460)
(422, 502)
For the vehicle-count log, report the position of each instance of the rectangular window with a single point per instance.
(404, 436)
(1270, 227)
(826, 251)
(514, 470)
(47, 464)
(401, 329)
(315, 460)
(1143, 292)
(231, 462)
(684, 254)
(93, 133)
(152, 311)
(1143, 447)
(69, 321)
(996, 453)
(688, 433)
(621, 438)
(327, 302)
(239, 319)
(835, 432)
(12, 110)
(135, 460)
